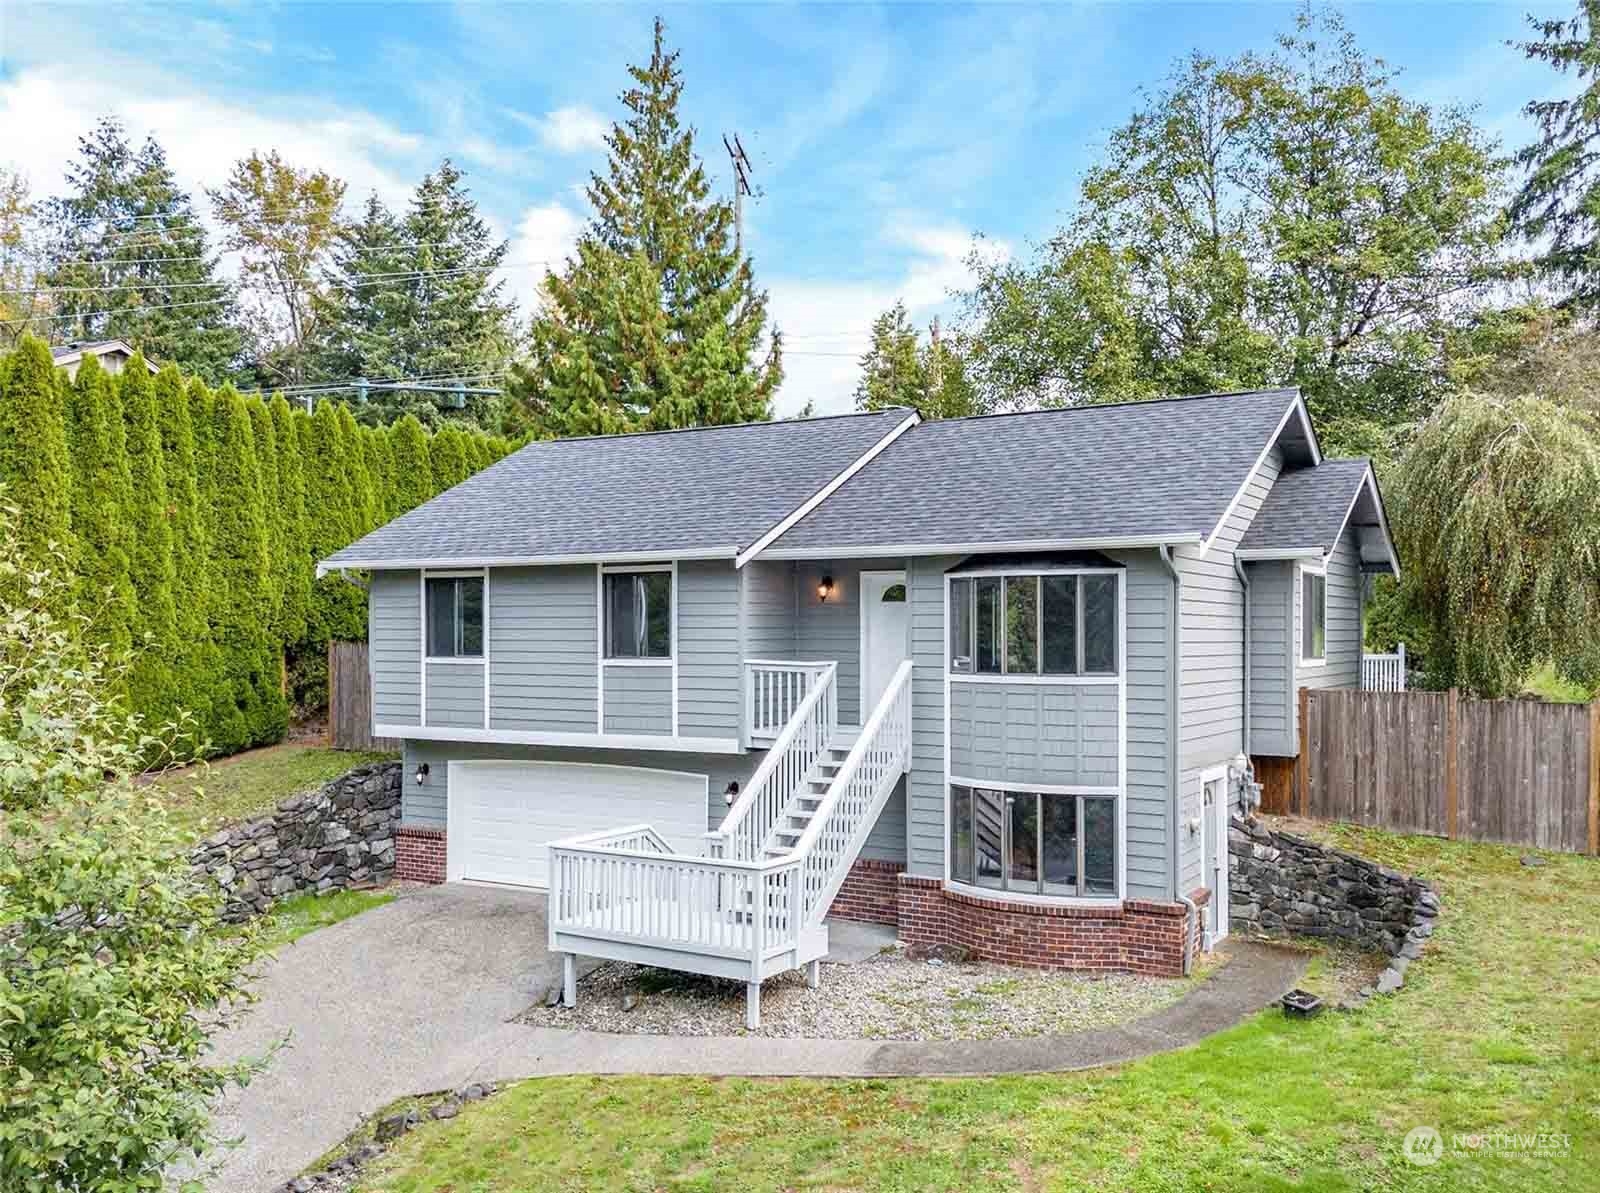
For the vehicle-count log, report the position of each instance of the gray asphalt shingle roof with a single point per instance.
(1137, 470)
(1306, 508)
(712, 488)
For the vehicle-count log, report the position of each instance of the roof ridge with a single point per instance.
(1163, 400)
(766, 422)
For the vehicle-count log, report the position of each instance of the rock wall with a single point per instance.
(1281, 884)
(340, 835)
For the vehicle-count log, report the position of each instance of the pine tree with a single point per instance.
(363, 302)
(194, 661)
(102, 497)
(657, 322)
(296, 564)
(898, 370)
(35, 467)
(152, 681)
(413, 465)
(123, 237)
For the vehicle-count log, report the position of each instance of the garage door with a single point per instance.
(503, 815)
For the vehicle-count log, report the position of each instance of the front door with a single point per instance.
(885, 634)
(1214, 861)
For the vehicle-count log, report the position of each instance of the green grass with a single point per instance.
(203, 798)
(290, 919)
(1547, 684)
(1495, 1031)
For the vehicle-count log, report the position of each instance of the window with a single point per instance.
(638, 607)
(1052, 624)
(1034, 842)
(455, 617)
(1313, 616)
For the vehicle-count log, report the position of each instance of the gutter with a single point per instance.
(1174, 738)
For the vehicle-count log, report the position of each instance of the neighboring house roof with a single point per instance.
(70, 354)
(1141, 472)
(1308, 509)
(706, 492)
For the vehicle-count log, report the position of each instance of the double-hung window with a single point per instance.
(1313, 616)
(455, 617)
(1051, 623)
(638, 614)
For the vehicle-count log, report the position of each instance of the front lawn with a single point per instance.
(202, 798)
(1498, 1030)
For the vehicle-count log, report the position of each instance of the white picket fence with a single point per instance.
(1384, 672)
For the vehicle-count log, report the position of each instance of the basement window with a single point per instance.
(1035, 843)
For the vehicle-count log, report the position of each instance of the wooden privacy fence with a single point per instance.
(1519, 772)
(350, 700)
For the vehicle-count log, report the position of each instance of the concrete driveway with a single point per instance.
(394, 1001)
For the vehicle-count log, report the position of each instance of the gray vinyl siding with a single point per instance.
(1056, 734)
(455, 694)
(831, 629)
(769, 613)
(1149, 661)
(638, 699)
(543, 648)
(1343, 666)
(709, 688)
(887, 841)
(1212, 714)
(1272, 700)
(925, 786)
(394, 636)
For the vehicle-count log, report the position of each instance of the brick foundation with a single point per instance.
(419, 854)
(1134, 936)
(870, 892)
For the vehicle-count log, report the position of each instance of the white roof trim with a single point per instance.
(895, 550)
(1261, 555)
(1370, 481)
(508, 561)
(827, 490)
(1296, 406)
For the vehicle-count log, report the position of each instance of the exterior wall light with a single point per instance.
(422, 775)
(825, 588)
(731, 792)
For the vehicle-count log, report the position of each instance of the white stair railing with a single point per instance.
(774, 690)
(853, 800)
(761, 805)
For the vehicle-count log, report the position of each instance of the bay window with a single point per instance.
(1032, 842)
(1035, 624)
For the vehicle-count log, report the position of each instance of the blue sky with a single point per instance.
(883, 137)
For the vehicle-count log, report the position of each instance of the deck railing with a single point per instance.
(875, 763)
(743, 833)
(1384, 672)
(774, 690)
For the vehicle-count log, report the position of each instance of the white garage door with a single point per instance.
(503, 815)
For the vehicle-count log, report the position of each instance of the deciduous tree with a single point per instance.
(898, 370)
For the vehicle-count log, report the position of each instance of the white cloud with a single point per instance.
(572, 129)
(544, 237)
(827, 325)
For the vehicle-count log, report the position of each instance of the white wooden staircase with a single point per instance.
(754, 904)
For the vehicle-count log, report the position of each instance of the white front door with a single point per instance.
(1214, 856)
(885, 634)
(502, 816)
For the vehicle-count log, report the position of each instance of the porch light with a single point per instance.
(825, 588)
(422, 775)
(731, 792)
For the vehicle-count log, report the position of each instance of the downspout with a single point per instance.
(1174, 696)
(1244, 580)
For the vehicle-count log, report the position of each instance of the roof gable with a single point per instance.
(1307, 510)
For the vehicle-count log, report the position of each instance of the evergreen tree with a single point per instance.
(362, 302)
(296, 564)
(449, 455)
(126, 242)
(265, 440)
(413, 465)
(337, 609)
(657, 322)
(194, 661)
(358, 479)
(899, 371)
(151, 682)
(102, 499)
(35, 467)
(1558, 204)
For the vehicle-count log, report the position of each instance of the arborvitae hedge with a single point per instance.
(196, 519)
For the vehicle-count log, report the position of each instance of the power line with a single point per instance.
(396, 275)
(348, 249)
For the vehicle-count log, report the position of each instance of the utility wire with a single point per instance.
(396, 275)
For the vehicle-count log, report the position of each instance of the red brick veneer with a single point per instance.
(1134, 936)
(419, 854)
(870, 892)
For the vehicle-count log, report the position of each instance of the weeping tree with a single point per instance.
(1495, 504)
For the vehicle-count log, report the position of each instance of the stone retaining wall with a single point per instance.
(341, 835)
(1284, 885)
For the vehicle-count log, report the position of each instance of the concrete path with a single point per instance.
(418, 995)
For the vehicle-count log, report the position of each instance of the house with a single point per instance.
(994, 680)
(113, 355)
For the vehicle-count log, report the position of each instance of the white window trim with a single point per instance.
(426, 660)
(1120, 794)
(1302, 570)
(601, 571)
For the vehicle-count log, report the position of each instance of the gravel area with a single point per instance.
(887, 997)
